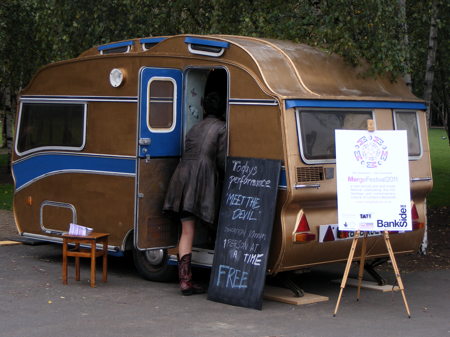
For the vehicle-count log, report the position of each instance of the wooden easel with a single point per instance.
(358, 235)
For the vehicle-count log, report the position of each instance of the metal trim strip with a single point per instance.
(68, 98)
(413, 180)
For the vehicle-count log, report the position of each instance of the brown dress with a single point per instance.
(194, 186)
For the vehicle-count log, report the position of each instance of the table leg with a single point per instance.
(105, 259)
(93, 248)
(64, 264)
(77, 263)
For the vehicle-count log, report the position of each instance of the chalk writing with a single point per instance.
(235, 244)
(254, 259)
(230, 277)
(247, 176)
(255, 235)
(235, 230)
(234, 199)
(242, 214)
(245, 227)
(245, 180)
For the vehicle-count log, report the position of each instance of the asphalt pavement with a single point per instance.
(35, 303)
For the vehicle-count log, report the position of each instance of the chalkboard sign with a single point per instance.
(246, 218)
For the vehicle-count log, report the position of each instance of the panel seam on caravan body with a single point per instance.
(299, 77)
(249, 101)
(267, 43)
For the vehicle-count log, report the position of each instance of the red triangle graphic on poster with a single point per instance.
(329, 236)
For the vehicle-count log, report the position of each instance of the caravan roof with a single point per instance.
(290, 70)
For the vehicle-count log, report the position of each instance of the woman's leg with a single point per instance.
(187, 287)
(187, 237)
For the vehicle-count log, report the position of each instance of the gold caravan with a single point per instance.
(97, 138)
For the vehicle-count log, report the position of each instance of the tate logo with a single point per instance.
(365, 216)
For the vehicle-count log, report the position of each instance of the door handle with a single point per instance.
(144, 141)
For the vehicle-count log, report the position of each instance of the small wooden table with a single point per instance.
(92, 253)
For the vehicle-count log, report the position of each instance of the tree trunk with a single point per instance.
(431, 59)
(402, 14)
(2, 117)
(442, 93)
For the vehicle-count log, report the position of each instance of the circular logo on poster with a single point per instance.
(370, 151)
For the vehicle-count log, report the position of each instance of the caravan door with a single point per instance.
(159, 149)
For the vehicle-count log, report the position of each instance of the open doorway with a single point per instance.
(198, 83)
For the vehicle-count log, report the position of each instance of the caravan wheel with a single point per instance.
(152, 265)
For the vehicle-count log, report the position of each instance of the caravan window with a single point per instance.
(316, 131)
(407, 120)
(162, 104)
(51, 126)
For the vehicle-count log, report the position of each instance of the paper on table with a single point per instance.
(79, 230)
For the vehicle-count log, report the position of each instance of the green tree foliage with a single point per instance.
(36, 32)
(419, 20)
(19, 54)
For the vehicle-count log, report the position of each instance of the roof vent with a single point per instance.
(206, 47)
(113, 48)
(150, 42)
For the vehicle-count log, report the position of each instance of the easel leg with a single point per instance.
(396, 270)
(361, 265)
(347, 270)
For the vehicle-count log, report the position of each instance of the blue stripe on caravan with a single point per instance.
(37, 166)
(115, 45)
(293, 103)
(204, 42)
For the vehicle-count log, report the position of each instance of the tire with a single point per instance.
(152, 265)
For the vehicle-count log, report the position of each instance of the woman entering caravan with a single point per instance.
(194, 189)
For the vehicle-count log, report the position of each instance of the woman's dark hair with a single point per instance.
(214, 104)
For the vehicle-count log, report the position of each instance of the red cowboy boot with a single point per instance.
(187, 287)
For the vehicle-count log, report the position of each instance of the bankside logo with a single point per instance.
(401, 222)
(370, 151)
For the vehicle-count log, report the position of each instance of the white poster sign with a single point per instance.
(372, 173)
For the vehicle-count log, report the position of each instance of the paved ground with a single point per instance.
(7, 226)
(35, 303)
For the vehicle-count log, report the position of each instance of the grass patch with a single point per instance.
(6, 189)
(440, 164)
(3, 160)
